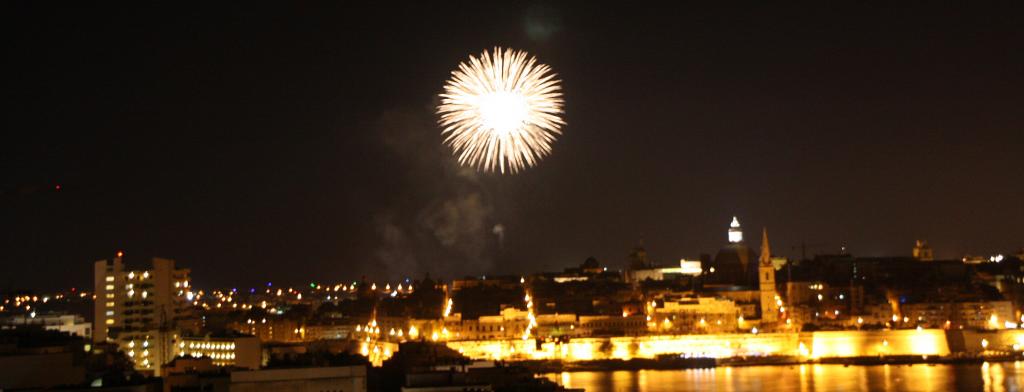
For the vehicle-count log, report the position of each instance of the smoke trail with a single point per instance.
(441, 220)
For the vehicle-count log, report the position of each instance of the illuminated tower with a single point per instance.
(735, 232)
(139, 309)
(766, 276)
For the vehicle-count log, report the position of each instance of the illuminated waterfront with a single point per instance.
(984, 377)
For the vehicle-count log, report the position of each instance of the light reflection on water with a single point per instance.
(996, 376)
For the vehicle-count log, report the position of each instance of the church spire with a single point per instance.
(766, 251)
(770, 300)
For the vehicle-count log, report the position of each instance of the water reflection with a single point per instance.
(996, 376)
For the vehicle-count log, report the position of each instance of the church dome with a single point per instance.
(735, 264)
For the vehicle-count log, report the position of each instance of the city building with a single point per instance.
(601, 325)
(957, 315)
(697, 315)
(329, 331)
(686, 268)
(38, 359)
(228, 351)
(69, 323)
(141, 310)
(129, 300)
(272, 329)
(510, 324)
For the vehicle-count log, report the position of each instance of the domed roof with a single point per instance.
(734, 264)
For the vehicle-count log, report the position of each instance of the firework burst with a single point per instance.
(501, 111)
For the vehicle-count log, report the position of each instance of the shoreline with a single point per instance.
(664, 363)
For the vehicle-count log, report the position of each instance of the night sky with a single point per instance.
(299, 143)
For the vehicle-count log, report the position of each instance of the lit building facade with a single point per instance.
(510, 324)
(701, 315)
(272, 329)
(140, 310)
(231, 351)
(972, 315)
(148, 349)
(329, 331)
(690, 268)
(612, 325)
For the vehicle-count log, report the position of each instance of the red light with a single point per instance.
(120, 253)
(57, 187)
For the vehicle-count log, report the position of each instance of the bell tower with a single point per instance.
(766, 277)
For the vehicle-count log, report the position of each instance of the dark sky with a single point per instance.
(298, 143)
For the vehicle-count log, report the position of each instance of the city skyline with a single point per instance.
(512, 196)
(252, 150)
(733, 233)
(740, 307)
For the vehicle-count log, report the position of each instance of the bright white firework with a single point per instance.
(501, 111)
